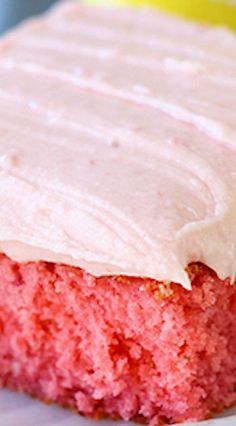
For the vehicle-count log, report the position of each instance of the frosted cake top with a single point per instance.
(118, 143)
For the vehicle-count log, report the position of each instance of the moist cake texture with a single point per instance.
(117, 214)
(117, 346)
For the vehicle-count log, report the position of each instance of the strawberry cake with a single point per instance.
(117, 214)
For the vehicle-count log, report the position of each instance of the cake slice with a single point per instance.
(117, 214)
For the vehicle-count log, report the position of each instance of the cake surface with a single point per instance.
(124, 121)
(117, 214)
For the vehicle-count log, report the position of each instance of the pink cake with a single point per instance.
(115, 346)
(117, 214)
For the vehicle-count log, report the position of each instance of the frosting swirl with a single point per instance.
(118, 143)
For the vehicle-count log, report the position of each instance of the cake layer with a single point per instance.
(121, 347)
(117, 149)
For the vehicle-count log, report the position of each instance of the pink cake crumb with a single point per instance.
(120, 347)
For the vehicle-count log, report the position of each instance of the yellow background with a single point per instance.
(212, 11)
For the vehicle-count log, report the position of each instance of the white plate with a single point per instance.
(19, 410)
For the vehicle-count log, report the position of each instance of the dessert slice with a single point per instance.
(117, 214)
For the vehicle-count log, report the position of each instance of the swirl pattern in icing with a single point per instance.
(118, 143)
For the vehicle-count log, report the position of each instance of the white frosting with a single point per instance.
(118, 143)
